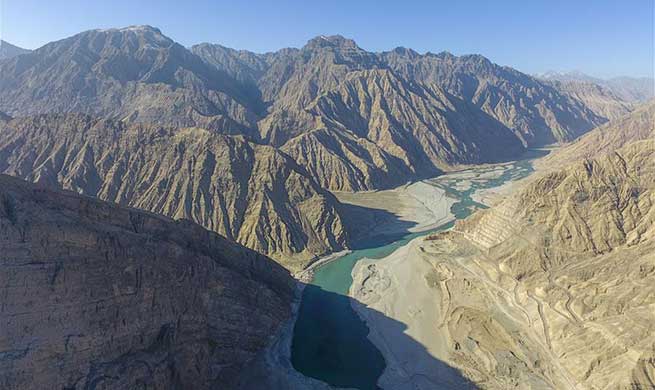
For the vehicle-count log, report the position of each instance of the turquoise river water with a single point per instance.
(330, 340)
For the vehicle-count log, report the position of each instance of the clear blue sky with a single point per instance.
(599, 37)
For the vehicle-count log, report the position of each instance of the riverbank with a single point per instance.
(331, 340)
(411, 208)
(439, 301)
(398, 290)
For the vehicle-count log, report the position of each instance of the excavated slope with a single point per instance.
(565, 276)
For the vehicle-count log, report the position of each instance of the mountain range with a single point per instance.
(395, 115)
(628, 89)
(250, 145)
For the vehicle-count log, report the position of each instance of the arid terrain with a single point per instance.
(550, 288)
(193, 216)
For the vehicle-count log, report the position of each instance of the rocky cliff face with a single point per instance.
(561, 275)
(93, 295)
(249, 193)
(538, 113)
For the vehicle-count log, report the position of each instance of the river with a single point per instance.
(330, 340)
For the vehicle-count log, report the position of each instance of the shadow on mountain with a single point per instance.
(531, 154)
(363, 223)
(331, 344)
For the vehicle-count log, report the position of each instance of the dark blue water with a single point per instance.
(330, 340)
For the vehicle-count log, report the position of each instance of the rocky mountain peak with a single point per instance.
(405, 52)
(334, 41)
(145, 35)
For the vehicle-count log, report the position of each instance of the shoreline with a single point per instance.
(307, 274)
(401, 287)
(411, 202)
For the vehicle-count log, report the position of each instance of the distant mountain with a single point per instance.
(600, 99)
(95, 295)
(376, 119)
(628, 89)
(249, 193)
(361, 120)
(7, 50)
(535, 111)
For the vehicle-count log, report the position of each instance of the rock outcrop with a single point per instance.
(94, 295)
(249, 193)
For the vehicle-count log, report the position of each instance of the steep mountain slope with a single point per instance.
(580, 246)
(538, 113)
(378, 119)
(7, 50)
(639, 125)
(403, 131)
(250, 193)
(296, 78)
(601, 100)
(370, 127)
(135, 73)
(94, 295)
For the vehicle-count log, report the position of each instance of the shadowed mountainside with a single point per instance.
(249, 193)
(94, 295)
(536, 112)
